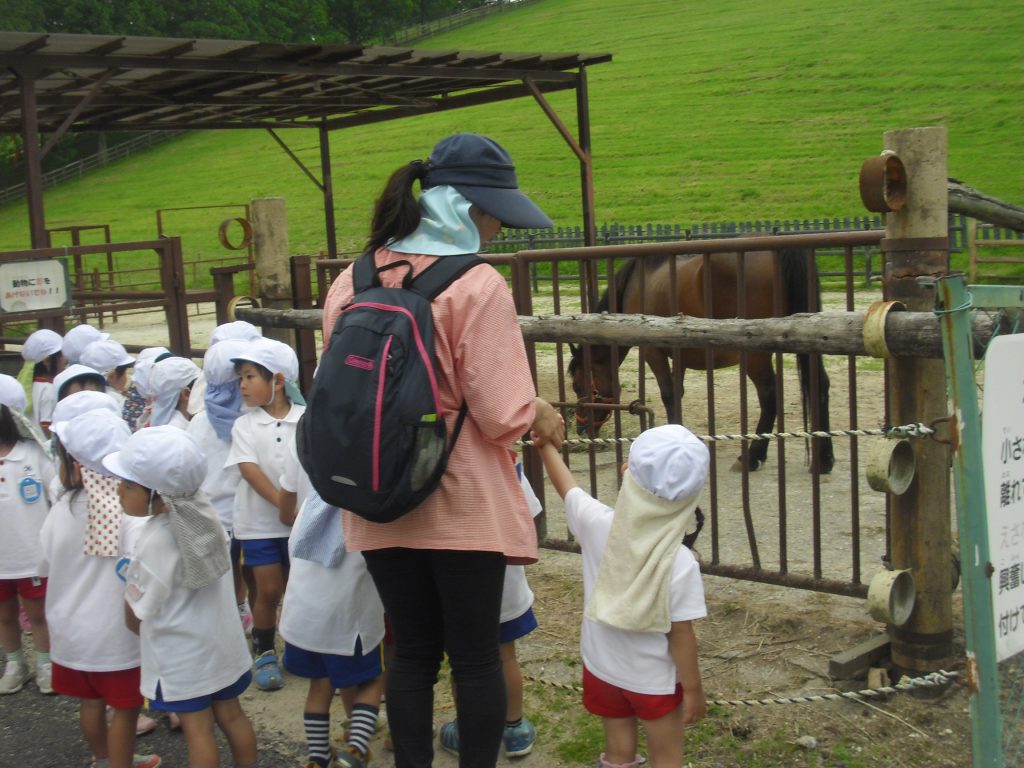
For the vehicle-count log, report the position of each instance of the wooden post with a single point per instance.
(916, 245)
(270, 252)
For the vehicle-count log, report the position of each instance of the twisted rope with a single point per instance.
(907, 430)
(932, 680)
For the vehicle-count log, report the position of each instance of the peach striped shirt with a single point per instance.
(482, 361)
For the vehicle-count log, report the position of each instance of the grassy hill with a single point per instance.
(709, 111)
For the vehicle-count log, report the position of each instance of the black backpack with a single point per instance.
(373, 439)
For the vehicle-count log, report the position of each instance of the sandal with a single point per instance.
(144, 725)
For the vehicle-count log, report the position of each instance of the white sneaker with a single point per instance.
(15, 677)
(44, 678)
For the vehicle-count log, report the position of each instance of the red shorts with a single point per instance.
(607, 700)
(119, 689)
(31, 588)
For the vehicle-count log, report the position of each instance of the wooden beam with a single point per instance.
(908, 334)
(970, 202)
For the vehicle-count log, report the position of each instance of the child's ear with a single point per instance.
(279, 381)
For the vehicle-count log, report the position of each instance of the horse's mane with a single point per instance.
(622, 278)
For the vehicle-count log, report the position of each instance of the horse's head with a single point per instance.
(597, 387)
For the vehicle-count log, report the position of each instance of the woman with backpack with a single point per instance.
(439, 568)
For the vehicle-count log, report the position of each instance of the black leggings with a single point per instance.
(437, 602)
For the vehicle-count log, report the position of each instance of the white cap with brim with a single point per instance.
(236, 329)
(78, 338)
(482, 172)
(275, 356)
(670, 462)
(219, 361)
(40, 345)
(12, 394)
(164, 459)
(91, 436)
(76, 371)
(85, 401)
(106, 355)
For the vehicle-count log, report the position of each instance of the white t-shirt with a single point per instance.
(178, 420)
(221, 482)
(192, 640)
(309, 619)
(26, 473)
(259, 438)
(44, 398)
(84, 596)
(517, 597)
(636, 661)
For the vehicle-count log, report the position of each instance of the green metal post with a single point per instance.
(954, 305)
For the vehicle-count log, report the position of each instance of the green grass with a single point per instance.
(708, 112)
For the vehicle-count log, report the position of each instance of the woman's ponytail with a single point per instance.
(397, 211)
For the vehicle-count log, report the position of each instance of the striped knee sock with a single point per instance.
(318, 737)
(364, 721)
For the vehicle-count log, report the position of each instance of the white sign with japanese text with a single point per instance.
(27, 286)
(1002, 450)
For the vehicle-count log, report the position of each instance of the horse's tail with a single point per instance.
(800, 279)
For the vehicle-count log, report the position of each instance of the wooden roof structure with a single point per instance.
(54, 83)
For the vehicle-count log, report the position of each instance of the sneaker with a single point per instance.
(15, 677)
(144, 724)
(350, 757)
(267, 672)
(146, 761)
(44, 678)
(449, 737)
(519, 739)
(245, 612)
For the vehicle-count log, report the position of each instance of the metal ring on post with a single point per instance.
(246, 302)
(874, 327)
(222, 234)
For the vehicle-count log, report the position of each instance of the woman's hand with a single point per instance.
(548, 425)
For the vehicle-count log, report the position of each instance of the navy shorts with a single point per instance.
(343, 671)
(517, 628)
(200, 703)
(236, 550)
(265, 552)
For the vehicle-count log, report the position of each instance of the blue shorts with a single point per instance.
(517, 628)
(236, 550)
(265, 552)
(200, 703)
(343, 671)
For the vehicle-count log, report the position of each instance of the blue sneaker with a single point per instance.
(519, 739)
(449, 737)
(267, 673)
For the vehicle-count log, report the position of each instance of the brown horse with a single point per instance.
(655, 294)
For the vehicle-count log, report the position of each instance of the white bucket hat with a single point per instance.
(163, 459)
(40, 345)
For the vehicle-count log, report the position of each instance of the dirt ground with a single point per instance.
(759, 641)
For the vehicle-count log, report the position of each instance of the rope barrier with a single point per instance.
(907, 430)
(932, 680)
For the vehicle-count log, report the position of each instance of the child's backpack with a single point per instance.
(373, 439)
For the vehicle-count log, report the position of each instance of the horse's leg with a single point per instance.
(658, 362)
(826, 456)
(762, 376)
